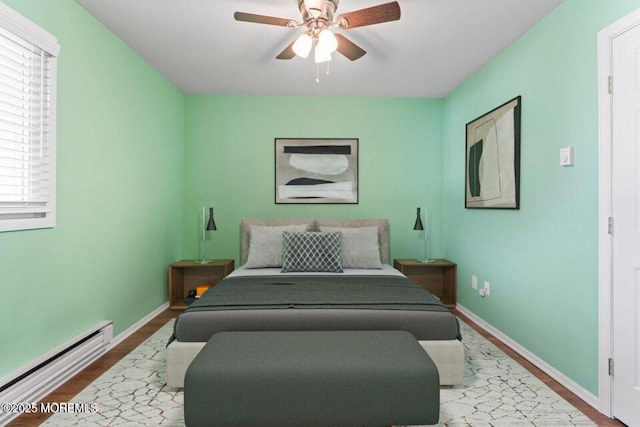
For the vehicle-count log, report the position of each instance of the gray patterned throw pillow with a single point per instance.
(311, 252)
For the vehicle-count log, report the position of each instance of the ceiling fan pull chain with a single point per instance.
(317, 77)
(328, 65)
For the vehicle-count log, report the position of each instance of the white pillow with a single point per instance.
(360, 247)
(265, 244)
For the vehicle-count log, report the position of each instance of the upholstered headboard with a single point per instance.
(382, 224)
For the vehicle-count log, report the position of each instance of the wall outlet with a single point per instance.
(474, 282)
(482, 292)
(487, 288)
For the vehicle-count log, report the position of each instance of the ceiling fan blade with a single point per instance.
(369, 16)
(287, 53)
(263, 19)
(349, 48)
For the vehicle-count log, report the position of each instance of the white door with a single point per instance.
(625, 203)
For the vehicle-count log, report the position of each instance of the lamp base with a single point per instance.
(202, 261)
(426, 260)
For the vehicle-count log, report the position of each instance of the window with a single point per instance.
(28, 59)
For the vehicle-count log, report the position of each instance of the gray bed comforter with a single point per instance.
(389, 292)
(309, 303)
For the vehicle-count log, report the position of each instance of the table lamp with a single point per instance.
(206, 226)
(419, 226)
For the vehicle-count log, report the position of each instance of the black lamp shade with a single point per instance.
(211, 225)
(418, 225)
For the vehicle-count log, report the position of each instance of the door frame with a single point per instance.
(605, 260)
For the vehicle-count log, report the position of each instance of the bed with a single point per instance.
(282, 286)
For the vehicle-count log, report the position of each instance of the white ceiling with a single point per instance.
(435, 46)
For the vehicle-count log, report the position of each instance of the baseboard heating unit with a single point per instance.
(37, 379)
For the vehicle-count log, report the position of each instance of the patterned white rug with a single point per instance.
(497, 391)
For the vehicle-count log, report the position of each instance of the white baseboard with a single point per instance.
(139, 324)
(565, 381)
(41, 376)
(35, 380)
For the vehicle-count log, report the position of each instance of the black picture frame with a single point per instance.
(492, 158)
(316, 170)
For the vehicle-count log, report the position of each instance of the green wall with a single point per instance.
(542, 260)
(229, 158)
(119, 195)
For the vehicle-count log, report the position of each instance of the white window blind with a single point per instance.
(27, 124)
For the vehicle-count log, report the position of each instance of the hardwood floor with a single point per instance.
(72, 387)
(595, 416)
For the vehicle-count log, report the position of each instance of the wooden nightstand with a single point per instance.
(438, 277)
(186, 275)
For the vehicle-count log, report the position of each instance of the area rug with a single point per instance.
(497, 391)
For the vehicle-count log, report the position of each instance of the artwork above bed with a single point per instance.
(316, 170)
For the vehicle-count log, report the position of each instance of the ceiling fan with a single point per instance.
(319, 16)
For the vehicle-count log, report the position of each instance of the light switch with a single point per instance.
(566, 156)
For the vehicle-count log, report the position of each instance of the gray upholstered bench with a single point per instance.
(324, 378)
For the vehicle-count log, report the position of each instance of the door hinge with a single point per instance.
(610, 227)
(610, 366)
(610, 84)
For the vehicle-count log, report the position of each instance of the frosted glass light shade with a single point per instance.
(322, 55)
(328, 41)
(302, 46)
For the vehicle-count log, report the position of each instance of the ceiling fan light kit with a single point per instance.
(325, 42)
(319, 16)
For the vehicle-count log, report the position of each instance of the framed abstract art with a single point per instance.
(492, 170)
(316, 170)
